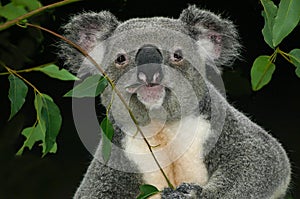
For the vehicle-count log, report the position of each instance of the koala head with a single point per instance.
(159, 64)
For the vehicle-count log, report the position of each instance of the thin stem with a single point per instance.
(25, 70)
(110, 103)
(5, 73)
(286, 56)
(273, 56)
(82, 51)
(34, 12)
(13, 72)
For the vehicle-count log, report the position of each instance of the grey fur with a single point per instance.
(85, 30)
(242, 159)
(196, 18)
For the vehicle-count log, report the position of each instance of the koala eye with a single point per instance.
(177, 56)
(121, 60)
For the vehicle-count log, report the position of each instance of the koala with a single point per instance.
(168, 71)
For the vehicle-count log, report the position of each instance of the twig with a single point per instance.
(26, 70)
(114, 89)
(34, 12)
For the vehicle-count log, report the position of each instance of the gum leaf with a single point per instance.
(261, 72)
(147, 190)
(107, 135)
(16, 94)
(53, 71)
(90, 87)
(269, 14)
(287, 19)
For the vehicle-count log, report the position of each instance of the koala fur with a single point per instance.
(165, 69)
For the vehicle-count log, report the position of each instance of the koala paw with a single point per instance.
(183, 191)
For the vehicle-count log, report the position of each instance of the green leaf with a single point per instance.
(33, 135)
(28, 4)
(53, 71)
(49, 117)
(287, 18)
(11, 11)
(90, 87)
(107, 135)
(261, 72)
(16, 94)
(38, 103)
(269, 14)
(50, 114)
(297, 71)
(147, 190)
(295, 59)
(54, 148)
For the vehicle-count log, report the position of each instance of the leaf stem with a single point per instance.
(273, 56)
(26, 70)
(13, 72)
(286, 56)
(34, 12)
(110, 81)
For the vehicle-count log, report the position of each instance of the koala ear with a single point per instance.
(218, 37)
(87, 30)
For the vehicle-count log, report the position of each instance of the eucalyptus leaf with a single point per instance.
(50, 120)
(53, 71)
(295, 59)
(107, 135)
(54, 148)
(11, 11)
(38, 103)
(261, 72)
(28, 4)
(147, 190)
(33, 135)
(269, 14)
(287, 19)
(297, 71)
(50, 115)
(16, 94)
(91, 87)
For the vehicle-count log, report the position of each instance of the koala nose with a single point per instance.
(149, 60)
(148, 54)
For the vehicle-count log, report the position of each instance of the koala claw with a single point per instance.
(183, 191)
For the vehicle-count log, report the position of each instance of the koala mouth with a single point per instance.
(150, 95)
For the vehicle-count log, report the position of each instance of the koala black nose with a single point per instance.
(148, 60)
(148, 54)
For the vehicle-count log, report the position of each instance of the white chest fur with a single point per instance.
(178, 148)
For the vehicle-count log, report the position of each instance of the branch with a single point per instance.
(34, 12)
(81, 50)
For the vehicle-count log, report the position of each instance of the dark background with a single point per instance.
(276, 107)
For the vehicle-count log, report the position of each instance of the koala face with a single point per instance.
(158, 64)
